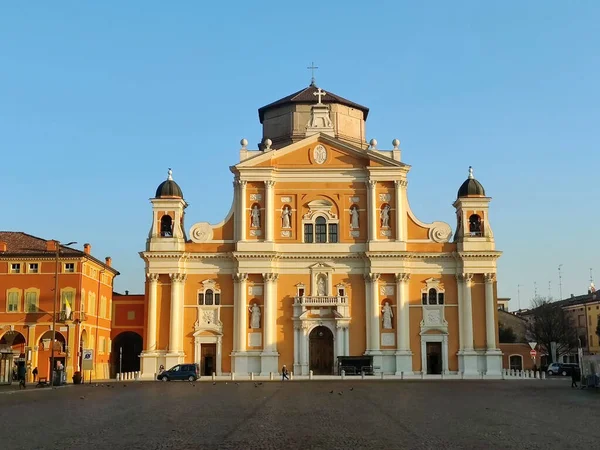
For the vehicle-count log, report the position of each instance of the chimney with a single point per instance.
(87, 249)
(108, 261)
(126, 292)
(50, 246)
(2, 246)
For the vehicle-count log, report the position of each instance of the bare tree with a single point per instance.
(546, 323)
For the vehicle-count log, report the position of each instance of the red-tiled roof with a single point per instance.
(307, 96)
(18, 242)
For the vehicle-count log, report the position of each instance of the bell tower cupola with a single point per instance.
(473, 231)
(168, 209)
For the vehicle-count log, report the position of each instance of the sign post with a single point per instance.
(87, 361)
(532, 353)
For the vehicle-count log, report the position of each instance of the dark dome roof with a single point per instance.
(168, 188)
(471, 187)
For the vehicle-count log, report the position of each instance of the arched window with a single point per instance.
(475, 225)
(166, 226)
(431, 295)
(209, 297)
(516, 362)
(321, 232)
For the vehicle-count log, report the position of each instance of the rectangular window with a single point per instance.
(102, 344)
(13, 301)
(217, 298)
(70, 267)
(424, 298)
(102, 307)
(201, 298)
(582, 321)
(31, 302)
(33, 268)
(440, 298)
(308, 233)
(333, 233)
(320, 233)
(67, 299)
(15, 268)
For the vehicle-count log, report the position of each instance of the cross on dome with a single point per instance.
(312, 68)
(320, 93)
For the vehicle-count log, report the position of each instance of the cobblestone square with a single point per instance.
(273, 415)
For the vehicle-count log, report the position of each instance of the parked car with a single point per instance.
(189, 372)
(564, 369)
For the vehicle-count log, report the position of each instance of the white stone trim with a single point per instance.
(443, 338)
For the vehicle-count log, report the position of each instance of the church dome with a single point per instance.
(168, 188)
(471, 187)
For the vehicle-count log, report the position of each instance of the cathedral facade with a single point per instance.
(320, 261)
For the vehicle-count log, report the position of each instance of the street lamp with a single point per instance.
(54, 309)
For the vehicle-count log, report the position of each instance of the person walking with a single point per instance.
(22, 372)
(284, 373)
(34, 373)
(574, 377)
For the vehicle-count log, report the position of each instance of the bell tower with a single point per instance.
(473, 231)
(167, 232)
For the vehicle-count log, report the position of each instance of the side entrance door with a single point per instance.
(207, 363)
(321, 351)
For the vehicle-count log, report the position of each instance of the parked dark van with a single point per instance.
(187, 372)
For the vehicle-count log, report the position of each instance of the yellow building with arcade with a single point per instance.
(320, 262)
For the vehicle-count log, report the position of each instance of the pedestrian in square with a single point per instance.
(284, 373)
(34, 373)
(22, 373)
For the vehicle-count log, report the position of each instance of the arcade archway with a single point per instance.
(129, 345)
(45, 352)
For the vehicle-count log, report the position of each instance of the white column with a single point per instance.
(240, 312)
(490, 316)
(152, 312)
(398, 184)
(368, 322)
(270, 207)
(296, 345)
(270, 313)
(372, 208)
(402, 312)
(302, 346)
(375, 311)
(242, 212)
(461, 308)
(346, 342)
(219, 355)
(468, 312)
(176, 329)
(340, 340)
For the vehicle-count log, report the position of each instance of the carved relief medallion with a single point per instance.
(319, 154)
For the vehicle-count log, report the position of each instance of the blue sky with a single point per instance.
(98, 99)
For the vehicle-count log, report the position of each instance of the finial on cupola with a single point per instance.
(471, 173)
(170, 174)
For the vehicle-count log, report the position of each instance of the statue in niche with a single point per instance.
(286, 214)
(255, 216)
(354, 218)
(321, 290)
(255, 316)
(387, 316)
(385, 216)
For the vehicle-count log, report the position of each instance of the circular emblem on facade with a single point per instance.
(320, 154)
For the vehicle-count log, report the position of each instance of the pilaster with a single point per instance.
(373, 313)
(372, 208)
(399, 186)
(175, 355)
(269, 356)
(403, 352)
(240, 313)
(270, 206)
(493, 355)
(242, 211)
(152, 312)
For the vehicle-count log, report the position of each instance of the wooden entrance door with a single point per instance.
(208, 359)
(321, 351)
(434, 358)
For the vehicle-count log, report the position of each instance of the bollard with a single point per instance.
(232, 376)
(543, 375)
(422, 375)
(402, 375)
(251, 376)
(504, 374)
(443, 375)
(536, 375)
(291, 376)
(271, 376)
(343, 374)
(382, 375)
(118, 376)
(362, 374)
(214, 376)
(462, 375)
(310, 375)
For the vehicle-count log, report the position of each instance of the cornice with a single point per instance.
(493, 254)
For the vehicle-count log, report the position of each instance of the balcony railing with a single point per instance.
(64, 317)
(321, 300)
(81, 316)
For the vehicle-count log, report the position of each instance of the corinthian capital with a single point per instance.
(269, 184)
(371, 184)
(178, 277)
(237, 277)
(372, 277)
(152, 277)
(270, 277)
(402, 277)
(489, 277)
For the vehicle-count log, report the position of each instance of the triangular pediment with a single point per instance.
(320, 151)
